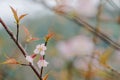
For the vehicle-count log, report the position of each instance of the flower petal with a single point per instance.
(42, 53)
(45, 63)
(42, 63)
(36, 51)
(29, 59)
(44, 48)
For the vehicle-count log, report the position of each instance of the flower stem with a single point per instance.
(17, 35)
(41, 71)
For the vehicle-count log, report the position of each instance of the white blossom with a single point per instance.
(40, 49)
(29, 59)
(77, 46)
(42, 63)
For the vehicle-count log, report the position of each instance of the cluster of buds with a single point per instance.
(40, 49)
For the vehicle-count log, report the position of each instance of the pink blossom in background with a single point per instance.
(82, 63)
(76, 46)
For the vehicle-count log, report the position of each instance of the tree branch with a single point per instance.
(100, 34)
(19, 46)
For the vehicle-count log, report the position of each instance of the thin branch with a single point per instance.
(25, 64)
(13, 38)
(41, 71)
(84, 24)
(100, 34)
(17, 35)
(19, 46)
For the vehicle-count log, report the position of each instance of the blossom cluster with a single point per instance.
(40, 49)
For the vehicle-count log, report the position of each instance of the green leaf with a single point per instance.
(15, 14)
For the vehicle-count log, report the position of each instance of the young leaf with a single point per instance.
(15, 14)
(17, 19)
(49, 35)
(10, 61)
(105, 56)
(45, 77)
(22, 16)
(26, 31)
(35, 39)
(29, 37)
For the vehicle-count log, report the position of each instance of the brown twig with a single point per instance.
(19, 46)
(17, 35)
(25, 64)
